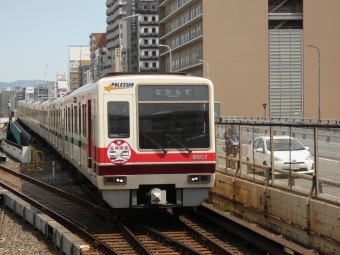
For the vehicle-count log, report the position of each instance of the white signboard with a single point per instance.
(29, 90)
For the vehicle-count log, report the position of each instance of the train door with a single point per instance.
(118, 128)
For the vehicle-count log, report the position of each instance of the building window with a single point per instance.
(153, 53)
(146, 65)
(153, 7)
(146, 53)
(153, 30)
(145, 18)
(145, 30)
(154, 64)
(154, 42)
(153, 18)
(145, 6)
(146, 42)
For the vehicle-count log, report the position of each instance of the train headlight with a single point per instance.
(115, 180)
(199, 178)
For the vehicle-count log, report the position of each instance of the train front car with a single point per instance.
(157, 142)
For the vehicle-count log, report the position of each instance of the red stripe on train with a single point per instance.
(157, 169)
(193, 157)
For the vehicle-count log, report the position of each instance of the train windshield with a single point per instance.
(118, 119)
(174, 125)
(173, 117)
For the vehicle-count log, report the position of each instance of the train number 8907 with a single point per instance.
(199, 157)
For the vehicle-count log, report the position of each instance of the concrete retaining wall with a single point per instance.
(312, 223)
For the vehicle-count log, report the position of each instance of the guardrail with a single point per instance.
(311, 170)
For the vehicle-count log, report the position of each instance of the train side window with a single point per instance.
(72, 123)
(68, 119)
(84, 120)
(118, 118)
(75, 120)
(79, 119)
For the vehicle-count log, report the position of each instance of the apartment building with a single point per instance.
(148, 49)
(256, 53)
(132, 35)
(78, 57)
(5, 100)
(99, 55)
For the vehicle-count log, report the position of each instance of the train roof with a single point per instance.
(136, 73)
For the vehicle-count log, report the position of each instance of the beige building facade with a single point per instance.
(256, 53)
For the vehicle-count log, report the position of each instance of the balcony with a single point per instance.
(191, 64)
(115, 15)
(148, 45)
(167, 15)
(116, 5)
(165, 33)
(149, 57)
(148, 23)
(112, 35)
(148, 11)
(148, 34)
(108, 2)
(193, 38)
(149, 69)
(284, 9)
(161, 2)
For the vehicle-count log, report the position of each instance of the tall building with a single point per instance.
(78, 56)
(5, 98)
(61, 87)
(135, 35)
(256, 53)
(147, 53)
(100, 61)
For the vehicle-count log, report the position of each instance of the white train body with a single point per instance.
(140, 139)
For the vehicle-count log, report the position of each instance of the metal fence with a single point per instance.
(299, 157)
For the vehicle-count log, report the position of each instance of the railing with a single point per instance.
(286, 27)
(188, 65)
(148, 34)
(192, 37)
(284, 9)
(168, 30)
(148, 45)
(152, 69)
(149, 57)
(147, 11)
(310, 170)
(169, 12)
(148, 22)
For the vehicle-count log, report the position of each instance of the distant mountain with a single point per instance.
(20, 83)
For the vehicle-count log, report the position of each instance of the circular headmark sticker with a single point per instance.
(119, 152)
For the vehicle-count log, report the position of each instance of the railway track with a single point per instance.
(184, 234)
(136, 231)
(99, 228)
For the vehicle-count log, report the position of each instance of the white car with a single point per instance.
(289, 154)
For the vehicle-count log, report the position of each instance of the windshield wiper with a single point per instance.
(154, 142)
(178, 142)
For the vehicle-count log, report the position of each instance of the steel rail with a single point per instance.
(72, 226)
(156, 235)
(273, 244)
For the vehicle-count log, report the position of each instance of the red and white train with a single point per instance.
(137, 140)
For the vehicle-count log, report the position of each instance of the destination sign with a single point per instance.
(173, 92)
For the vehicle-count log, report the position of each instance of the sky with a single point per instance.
(37, 33)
